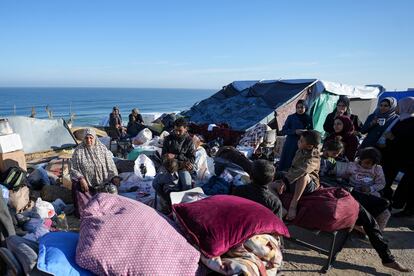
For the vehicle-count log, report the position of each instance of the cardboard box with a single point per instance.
(10, 142)
(10, 159)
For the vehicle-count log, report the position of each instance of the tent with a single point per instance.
(39, 135)
(243, 104)
(397, 94)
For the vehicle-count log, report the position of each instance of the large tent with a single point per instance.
(243, 104)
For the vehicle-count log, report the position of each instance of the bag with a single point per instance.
(144, 167)
(19, 199)
(44, 209)
(15, 177)
(326, 209)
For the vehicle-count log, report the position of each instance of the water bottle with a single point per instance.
(62, 223)
(398, 178)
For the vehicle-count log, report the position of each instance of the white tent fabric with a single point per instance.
(362, 92)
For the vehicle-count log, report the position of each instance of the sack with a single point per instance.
(143, 137)
(19, 199)
(326, 209)
(14, 177)
(144, 167)
(44, 209)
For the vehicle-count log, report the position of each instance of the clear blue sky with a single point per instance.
(204, 44)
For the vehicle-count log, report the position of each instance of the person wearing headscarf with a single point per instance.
(379, 121)
(400, 158)
(342, 109)
(92, 167)
(116, 130)
(135, 123)
(295, 124)
(344, 132)
(135, 116)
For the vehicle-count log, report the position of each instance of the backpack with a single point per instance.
(14, 178)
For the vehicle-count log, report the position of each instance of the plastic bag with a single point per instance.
(144, 167)
(143, 137)
(44, 209)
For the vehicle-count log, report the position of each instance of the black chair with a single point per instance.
(327, 243)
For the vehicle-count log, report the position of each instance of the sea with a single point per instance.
(91, 106)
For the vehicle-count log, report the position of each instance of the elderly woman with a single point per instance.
(379, 121)
(92, 167)
(342, 109)
(399, 152)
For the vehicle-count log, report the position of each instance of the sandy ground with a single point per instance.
(358, 257)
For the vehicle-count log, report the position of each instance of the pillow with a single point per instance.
(57, 254)
(119, 236)
(218, 223)
(326, 209)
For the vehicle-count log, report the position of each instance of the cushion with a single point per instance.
(57, 254)
(218, 223)
(326, 209)
(120, 236)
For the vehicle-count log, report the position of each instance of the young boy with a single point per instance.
(166, 182)
(303, 176)
(262, 175)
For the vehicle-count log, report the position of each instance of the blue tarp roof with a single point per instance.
(397, 94)
(243, 109)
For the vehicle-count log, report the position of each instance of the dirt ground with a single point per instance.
(358, 257)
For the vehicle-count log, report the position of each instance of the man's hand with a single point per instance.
(188, 166)
(84, 185)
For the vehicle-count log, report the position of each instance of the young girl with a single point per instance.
(366, 177)
(295, 124)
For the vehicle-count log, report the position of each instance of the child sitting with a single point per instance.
(262, 175)
(303, 176)
(166, 182)
(366, 177)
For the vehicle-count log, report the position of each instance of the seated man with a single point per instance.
(180, 146)
(262, 175)
(303, 176)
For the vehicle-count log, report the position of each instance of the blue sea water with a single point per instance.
(91, 105)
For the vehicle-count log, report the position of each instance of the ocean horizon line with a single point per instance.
(105, 87)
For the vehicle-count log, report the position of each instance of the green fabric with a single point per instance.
(324, 105)
(135, 152)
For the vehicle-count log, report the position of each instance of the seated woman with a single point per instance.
(135, 116)
(295, 124)
(378, 122)
(116, 130)
(342, 109)
(92, 167)
(344, 132)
